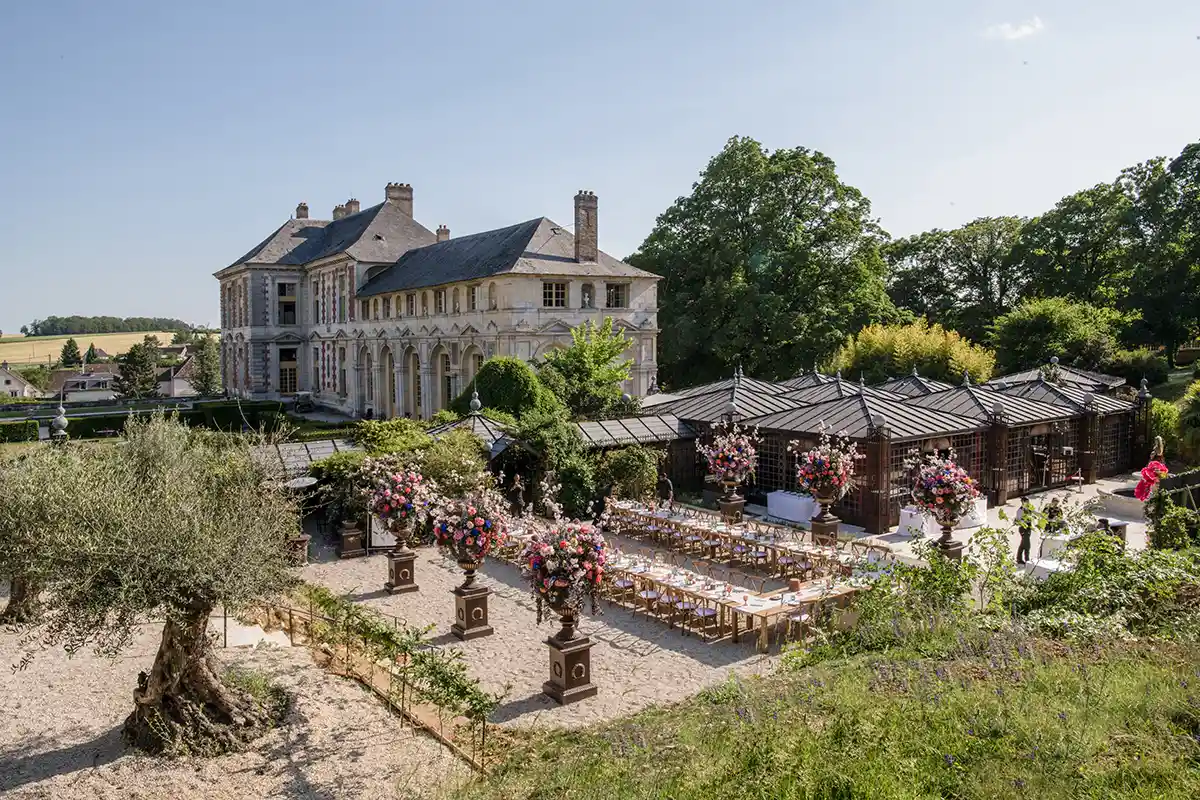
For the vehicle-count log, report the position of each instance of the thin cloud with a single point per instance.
(1009, 32)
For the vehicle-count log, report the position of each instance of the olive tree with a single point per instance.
(170, 524)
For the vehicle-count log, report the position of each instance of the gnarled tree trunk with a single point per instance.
(183, 705)
(23, 604)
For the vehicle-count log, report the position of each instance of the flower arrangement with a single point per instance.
(398, 496)
(942, 488)
(733, 454)
(1152, 473)
(827, 470)
(468, 528)
(565, 565)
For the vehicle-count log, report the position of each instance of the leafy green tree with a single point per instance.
(183, 336)
(587, 376)
(631, 471)
(91, 357)
(507, 384)
(38, 375)
(206, 376)
(169, 526)
(961, 278)
(139, 373)
(879, 352)
(770, 262)
(70, 355)
(1078, 334)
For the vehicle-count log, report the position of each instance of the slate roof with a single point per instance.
(853, 415)
(491, 432)
(651, 400)
(747, 385)
(806, 380)
(92, 372)
(634, 430)
(379, 234)
(914, 385)
(292, 459)
(537, 247)
(714, 406)
(837, 388)
(1082, 378)
(1071, 397)
(979, 402)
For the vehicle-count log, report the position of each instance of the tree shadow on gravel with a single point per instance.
(19, 770)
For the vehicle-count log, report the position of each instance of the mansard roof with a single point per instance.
(914, 385)
(855, 415)
(1081, 378)
(379, 234)
(536, 247)
(979, 402)
(837, 388)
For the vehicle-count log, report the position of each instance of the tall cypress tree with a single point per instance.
(70, 356)
(139, 373)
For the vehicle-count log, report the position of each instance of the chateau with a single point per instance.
(374, 313)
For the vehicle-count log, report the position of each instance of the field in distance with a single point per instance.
(34, 349)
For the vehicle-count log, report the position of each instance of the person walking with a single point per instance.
(1025, 520)
(666, 490)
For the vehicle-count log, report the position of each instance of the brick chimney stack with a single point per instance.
(402, 195)
(587, 248)
(352, 207)
(443, 233)
(339, 211)
(302, 211)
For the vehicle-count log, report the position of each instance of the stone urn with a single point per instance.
(570, 656)
(352, 541)
(470, 605)
(945, 544)
(732, 505)
(402, 561)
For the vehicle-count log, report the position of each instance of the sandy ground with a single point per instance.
(637, 661)
(60, 736)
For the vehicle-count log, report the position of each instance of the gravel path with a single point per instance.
(60, 726)
(637, 661)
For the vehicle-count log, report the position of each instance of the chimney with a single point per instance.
(339, 211)
(352, 207)
(586, 247)
(443, 233)
(302, 211)
(401, 194)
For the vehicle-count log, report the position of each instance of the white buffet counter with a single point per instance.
(791, 506)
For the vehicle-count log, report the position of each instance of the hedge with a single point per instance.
(223, 416)
(23, 431)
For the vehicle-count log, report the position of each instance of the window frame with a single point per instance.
(551, 291)
(622, 289)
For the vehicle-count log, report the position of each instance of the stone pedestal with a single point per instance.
(732, 510)
(471, 613)
(948, 547)
(298, 549)
(401, 571)
(352, 544)
(825, 526)
(570, 670)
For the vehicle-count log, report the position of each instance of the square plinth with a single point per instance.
(732, 510)
(570, 671)
(401, 573)
(952, 550)
(352, 544)
(471, 613)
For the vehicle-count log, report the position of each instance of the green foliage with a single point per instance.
(63, 326)
(501, 416)
(455, 462)
(1189, 424)
(879, 352)
(587, 376)
(771, 262)
(23, 431)
(70, 355)
(91, 355)
(1133, 365)
(206, 376)
(1164, 422)
(443, 417)
(1080, 335)
(38, 375)
(139, 372)
(561, 452)
(631, 471)
(341, 484)
(390, 436)
(1176, 529)
(507, 384)
(961, 278)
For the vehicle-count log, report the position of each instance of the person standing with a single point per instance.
(516, 495)
(666, 490)
(1025, 519)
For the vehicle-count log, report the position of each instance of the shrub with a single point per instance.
(1189, 423)
(503, 417)
(23, 431)
(879, 352)
(390, 436)
(1080, 335)
(577, 483)
(1133, 365)
(339, 475)
(89, 427)
(632, 471)
(1164, 422)
(443, 417)
(1176, 528)
(454, 462)
(508, 384)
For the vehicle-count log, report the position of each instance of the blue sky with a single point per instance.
(145, 145)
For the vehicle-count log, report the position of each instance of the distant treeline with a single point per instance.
(69, 326)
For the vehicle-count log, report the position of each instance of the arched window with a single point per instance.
(587, 297)
(493, 300)
(454, 299)
(424, 304)
(375, 308)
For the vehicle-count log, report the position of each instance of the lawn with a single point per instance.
(1175, 386)
(1018, 718)
(35, 349)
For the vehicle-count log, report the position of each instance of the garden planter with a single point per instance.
(947, 546)
(732, 506)
(825, 524)
(402, 562)
(570, 661)
(470, 606)
(352, 540)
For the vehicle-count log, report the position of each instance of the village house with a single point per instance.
(374, 313)
(13, 385)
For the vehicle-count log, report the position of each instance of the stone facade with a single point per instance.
(410, 351)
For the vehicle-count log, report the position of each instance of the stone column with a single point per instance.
(428, 390)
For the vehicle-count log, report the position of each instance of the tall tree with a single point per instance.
(587, 376)
(771, 261)
(91, 356)
(1077, 249)
(70, 355)
(962, 278)
(1078, 334)
(139, 373)
(206, 378)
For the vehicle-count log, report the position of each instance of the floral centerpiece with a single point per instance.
(565, 566)
(1152, 473)
(399, 497)
(943, 489)
(468, 528)
(733, 455)
(826, 472)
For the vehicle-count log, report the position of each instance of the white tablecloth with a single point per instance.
(791, 506)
